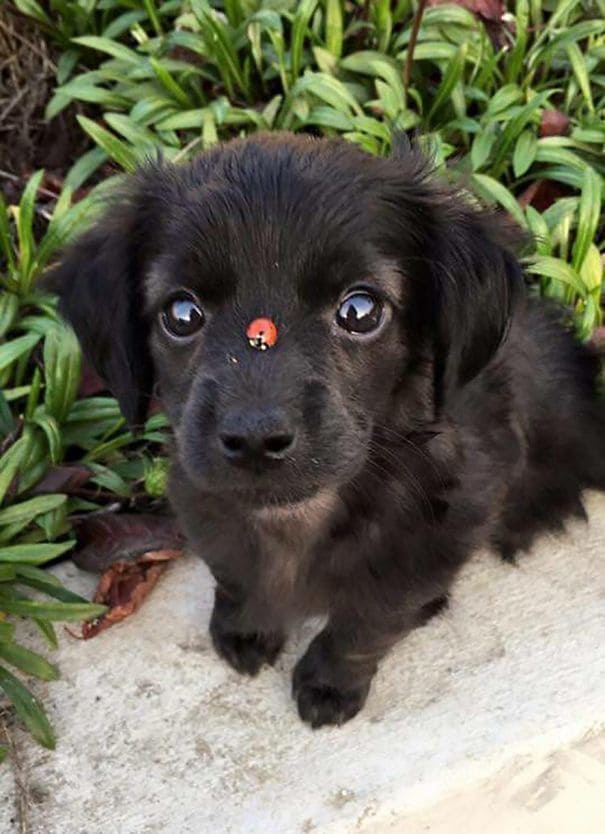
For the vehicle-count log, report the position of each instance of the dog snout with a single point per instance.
(256, 436)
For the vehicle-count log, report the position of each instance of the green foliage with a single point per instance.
(177, 77)
(180, 76)
(43, 423)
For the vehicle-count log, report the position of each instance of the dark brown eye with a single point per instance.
(360, 312)
(182, 316)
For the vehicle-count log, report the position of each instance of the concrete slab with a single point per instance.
(492, 718)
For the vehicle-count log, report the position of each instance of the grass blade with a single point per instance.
(29, 710)
(28, 662)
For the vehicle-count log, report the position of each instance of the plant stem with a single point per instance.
(407, 74)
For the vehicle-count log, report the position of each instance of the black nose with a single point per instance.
(256, 436)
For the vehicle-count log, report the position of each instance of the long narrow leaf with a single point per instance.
(29, 710)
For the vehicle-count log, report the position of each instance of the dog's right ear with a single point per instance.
(99, 282)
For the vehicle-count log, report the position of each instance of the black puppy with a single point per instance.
(399, 404)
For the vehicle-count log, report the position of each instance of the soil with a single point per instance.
(27, 79)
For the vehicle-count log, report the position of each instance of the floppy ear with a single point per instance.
(460, 259)
(99, 282)
(477, 284)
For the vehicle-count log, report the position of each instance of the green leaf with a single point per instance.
(300, 24)
(591, 271)
(33, 9)
(62, 365)
(29, 710)
(51, 429)
(432, 51)
(10, 462)
(513, 128)
(186, 120)
(578, 64)
(170, 84)
(375, 64)
(491, 190)
(112, 146)
(82, 91)
(503, 99)
(9, 307)
(7, 421)
(16, 348)
(450, 79)
(110, 47)
(134, 132)
(218, 36)
(525, 152)
(25, 227)
(588, 216)
(34, 554)
(328, 89)
(48, 632)
(482, 146)
(26, 511)
(539, 229)
(84, 168)
(28, 662)
(448, 15)
(548, 151)
(53, 611)
(7, 631)
(559, 270)
(334, 27)
(6, 243)
(66, 64)
(7, 573)
(44, 581)
(61, 229)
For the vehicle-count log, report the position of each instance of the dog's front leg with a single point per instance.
(243, 647)
(332, 680)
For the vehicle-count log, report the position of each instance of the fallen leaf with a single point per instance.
(553, 123)
(124, 586)
(67, 479)
(106, 538)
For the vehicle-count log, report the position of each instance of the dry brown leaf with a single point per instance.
(67, 479)
(124, 586)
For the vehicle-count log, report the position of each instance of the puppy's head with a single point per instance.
(373, 277)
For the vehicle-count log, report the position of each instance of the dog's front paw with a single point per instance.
(321, 705)
(322, 696)
(247, 653)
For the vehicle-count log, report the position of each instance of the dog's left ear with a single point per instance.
(99, 282)
(477, 283)
(460, 257)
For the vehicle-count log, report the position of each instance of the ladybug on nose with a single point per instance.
(261, 333)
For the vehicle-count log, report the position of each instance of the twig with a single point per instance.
(9, 31)
(13, 103)
(41, 190)
(184, 151)
(407, 75)
(22, 798)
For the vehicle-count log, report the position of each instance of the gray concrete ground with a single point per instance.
(490, 719)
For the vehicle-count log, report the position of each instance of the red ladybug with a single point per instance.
(261, 333)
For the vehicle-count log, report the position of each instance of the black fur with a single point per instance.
(471, 418)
